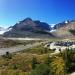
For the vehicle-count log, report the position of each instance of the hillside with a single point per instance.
(37, 29)
(29, 28)
(65, 29)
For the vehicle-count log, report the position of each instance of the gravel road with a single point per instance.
(17, 48)
(72, 73)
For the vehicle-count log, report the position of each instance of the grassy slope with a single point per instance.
(63, 34)
(22, 60)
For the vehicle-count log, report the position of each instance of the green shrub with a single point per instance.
(41, 69)
(34, 62)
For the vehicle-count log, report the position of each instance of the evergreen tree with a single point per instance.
(34, 62)
(41, 69)
(48, 60)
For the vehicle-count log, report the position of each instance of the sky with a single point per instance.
(50, 11)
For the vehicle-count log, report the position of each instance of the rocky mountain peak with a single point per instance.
(29, 28)
(26, 20)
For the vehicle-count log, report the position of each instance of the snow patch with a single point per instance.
(2, 32)
(52, 30)
(8, 29)
(52, 25)
(66, 22)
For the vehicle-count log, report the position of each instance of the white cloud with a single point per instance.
(1, 32)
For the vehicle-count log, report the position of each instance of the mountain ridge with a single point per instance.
(35, 28)
(29, 28)
(65, 30)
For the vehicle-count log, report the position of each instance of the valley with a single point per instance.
(37, 37)
(32, 47)
(29, 55)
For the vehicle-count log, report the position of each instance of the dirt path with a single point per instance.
(72, 73)
(17, 48)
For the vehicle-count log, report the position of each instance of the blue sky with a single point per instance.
(50, 11)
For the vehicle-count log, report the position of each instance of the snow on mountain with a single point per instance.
(9, 29)
(52, 25)
(2, 30)
(66, 21)
(52, 28)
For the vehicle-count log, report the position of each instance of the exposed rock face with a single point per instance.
(29, 28)
(65, 29)
(62, 24)
(37, 29)
(66, 25)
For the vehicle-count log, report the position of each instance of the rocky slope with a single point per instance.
(29, 28)
(37, 29)
(65, 29)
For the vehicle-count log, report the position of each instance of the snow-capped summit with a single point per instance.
(66, 21)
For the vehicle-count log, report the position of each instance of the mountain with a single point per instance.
(62, 24)
(65, 29)
(29, 28)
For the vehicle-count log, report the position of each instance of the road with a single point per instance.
(23, 38)
(17, 48)
(72, 73)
